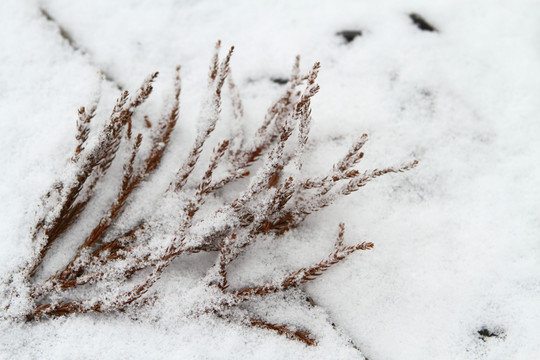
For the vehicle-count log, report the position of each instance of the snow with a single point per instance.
(456, 239)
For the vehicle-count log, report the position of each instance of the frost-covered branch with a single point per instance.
(276, 199)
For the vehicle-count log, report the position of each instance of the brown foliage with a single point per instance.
(272, 204)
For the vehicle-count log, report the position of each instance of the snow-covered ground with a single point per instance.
(455, 273)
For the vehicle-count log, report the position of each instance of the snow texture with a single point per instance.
(455, 270)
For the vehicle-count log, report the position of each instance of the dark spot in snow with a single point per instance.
(421, 23)
(426, 92)
(279, 80)
(310, 301)
(349, 35)
(485, 333)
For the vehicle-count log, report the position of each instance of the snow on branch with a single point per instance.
(276, 199)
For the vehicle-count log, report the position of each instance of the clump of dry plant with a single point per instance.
(273, 202)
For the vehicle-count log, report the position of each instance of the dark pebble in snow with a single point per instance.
(349, 35)
(279, 81)
(421, 23)
(485, 333)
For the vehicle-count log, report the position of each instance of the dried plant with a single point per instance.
(273, 202)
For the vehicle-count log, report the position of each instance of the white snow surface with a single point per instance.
(457, 240)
